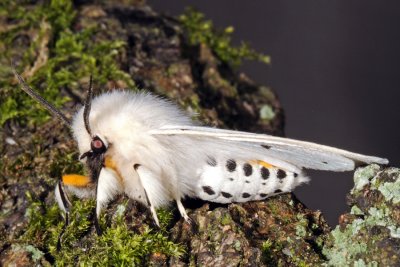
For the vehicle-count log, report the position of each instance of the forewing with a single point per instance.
(298, 153)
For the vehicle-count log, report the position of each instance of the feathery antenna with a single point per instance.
(40, 99)
(88, 105)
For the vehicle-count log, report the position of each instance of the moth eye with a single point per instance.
(97, 144)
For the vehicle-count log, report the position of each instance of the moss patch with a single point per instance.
(52, 57)
(199, 30)
(118, 245)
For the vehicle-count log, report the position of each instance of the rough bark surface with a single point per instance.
(280, 231)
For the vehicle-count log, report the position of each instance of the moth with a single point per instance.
(145, 147)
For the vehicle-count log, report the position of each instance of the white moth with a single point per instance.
(147, 148)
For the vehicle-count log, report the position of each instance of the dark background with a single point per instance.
(336, 69)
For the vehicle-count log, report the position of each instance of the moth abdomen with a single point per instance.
(230, 180)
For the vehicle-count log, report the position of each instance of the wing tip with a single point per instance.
(383, 161)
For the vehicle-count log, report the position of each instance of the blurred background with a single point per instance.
(336, 69)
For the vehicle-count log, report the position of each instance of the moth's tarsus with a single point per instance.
(40, 99)
(63, 196)
(59, 240)
(95, 215)
(96, 224)
(88, 105)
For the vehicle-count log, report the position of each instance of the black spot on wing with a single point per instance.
(264, 173)
(246, 195)
(281, 174)
(247, 181)
(263, 195)
(295, 174)
(278, 191)
(211, 161)
(231, 179)
(247, 169)
(231, 165)
(208, 190)
(266, 146)
(226, 194)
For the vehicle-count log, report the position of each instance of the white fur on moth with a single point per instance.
(147, 148)
(161, 157)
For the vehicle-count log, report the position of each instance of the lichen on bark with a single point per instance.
(57, 45)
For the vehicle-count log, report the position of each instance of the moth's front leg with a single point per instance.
(64, 204)
(77, 184)
(145, 176)
(158, 193)
(108, 186)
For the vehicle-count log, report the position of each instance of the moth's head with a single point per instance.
(96, 145)
(93, 152)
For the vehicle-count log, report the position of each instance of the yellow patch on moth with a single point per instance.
(75, 180)
(82, 181)
(263, 163)
(110, 163)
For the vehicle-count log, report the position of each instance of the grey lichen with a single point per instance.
(362, 176)
(391, 190)
(370, 234)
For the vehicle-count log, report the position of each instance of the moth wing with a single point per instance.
(301, 154)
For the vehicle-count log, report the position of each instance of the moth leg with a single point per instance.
(182, 211)
(108, 186)
(96, 218)
(142, 173)
(64, 204)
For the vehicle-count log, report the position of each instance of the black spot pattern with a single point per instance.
(266, 146)
(247, 169)
(278, 191)
(247, 182)
(264, 183)
(263, 195)
(211, 161)
(246, 195)
(231, 165)
(295, 174)
(281, 174)
(226, 195)
(264, 173)
(208, 190)
(231, 179)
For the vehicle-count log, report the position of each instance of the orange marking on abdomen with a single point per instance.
(75, 180)
(262, 163)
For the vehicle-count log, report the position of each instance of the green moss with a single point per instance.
(226, 219)
(200, 30)
(269, 249)
(118, 245)
(302, 226)
(73, 57)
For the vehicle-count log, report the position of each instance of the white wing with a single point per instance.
(299, 153)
